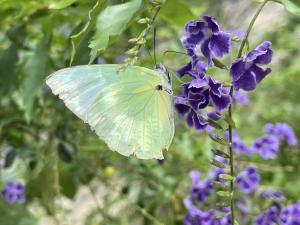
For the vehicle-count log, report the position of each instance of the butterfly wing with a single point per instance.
(124, 107)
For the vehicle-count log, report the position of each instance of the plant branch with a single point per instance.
(230, 110)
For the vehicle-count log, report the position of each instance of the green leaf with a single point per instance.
(293, 6)
(8, 61)
(65, 152)
(61, 4)
(36, 69)
(176, 12)
(10, 158)
(77, 38)
(112, 22)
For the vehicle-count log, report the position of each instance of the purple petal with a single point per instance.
(265, 58)
(237, 69)
(184, 70)
(181, 105)
(201, 67)
(206, 52)
(198, 83)
(220, 103)
(220, 43)
(199, 124)
(212, 23)
(259, 73)
(196, 99)
(246, 82)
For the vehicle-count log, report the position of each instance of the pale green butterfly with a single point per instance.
(130, 109)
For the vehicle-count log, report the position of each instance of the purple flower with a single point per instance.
(248, 180)
(291, 215)
(238, 144)
(244, 209)
(238, 34)
(269, 217)
(271, 194)
(240, 98)
(266, 146)
(13, 192)
(283, 132)
(204, 36)
(200, 189)
(246, 73)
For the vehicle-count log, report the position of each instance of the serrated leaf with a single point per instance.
(112, 22)
(293, 6)
(76, 39)
(224, 194)
(170, 9)
(61, 4)
(221, 153)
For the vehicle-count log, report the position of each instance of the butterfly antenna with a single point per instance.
(154, 44)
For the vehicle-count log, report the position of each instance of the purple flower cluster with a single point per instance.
(13, 192)
(269, 217)
(268, 145)
(246, 72)
(291, 215)
(196, 216)
(200, 189)
(283, 132)
(248, 180)
(202, 37)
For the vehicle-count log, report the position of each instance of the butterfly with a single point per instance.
(130, 109)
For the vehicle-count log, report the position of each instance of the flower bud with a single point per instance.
(144, 20)
(133, 40)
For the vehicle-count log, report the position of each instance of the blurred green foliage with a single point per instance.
(43, 144)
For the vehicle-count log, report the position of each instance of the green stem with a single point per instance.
(230, 110)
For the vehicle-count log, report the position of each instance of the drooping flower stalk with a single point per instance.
(230, 110)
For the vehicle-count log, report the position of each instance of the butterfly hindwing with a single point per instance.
(124, 107)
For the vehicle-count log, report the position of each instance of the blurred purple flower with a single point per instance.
(290, 215)
(282, 131)
(246, 73)
(238, 34)
(204, 36)
(266, 146)
(270, 193)
(238, 144)
(13, 192)
(200, 189)
(269, 217)
(248, 180)
(240, 98)
(244, 209)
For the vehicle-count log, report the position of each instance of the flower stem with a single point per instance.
(243, 44)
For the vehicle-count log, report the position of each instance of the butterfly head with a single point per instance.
(166, 78)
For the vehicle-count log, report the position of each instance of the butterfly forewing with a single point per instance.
(124, 107)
